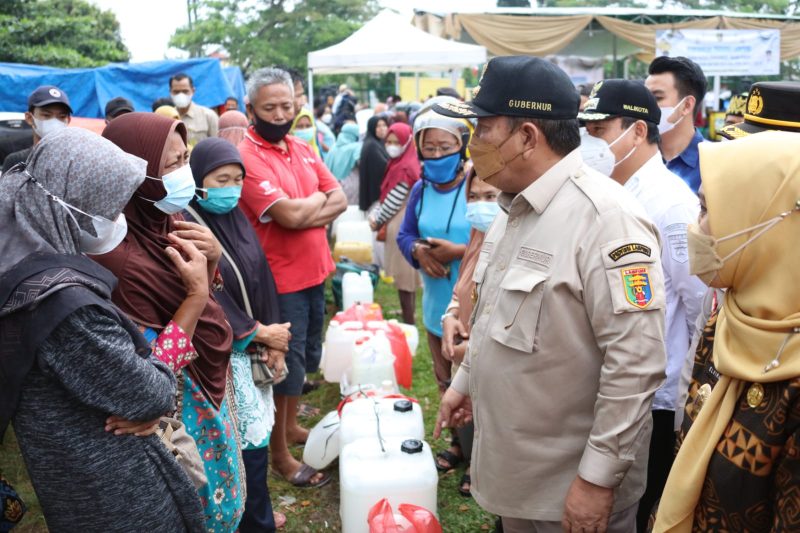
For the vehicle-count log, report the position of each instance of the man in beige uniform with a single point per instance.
(201, 121)
(567, 347)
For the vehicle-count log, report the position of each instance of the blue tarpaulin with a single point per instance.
(142, 83)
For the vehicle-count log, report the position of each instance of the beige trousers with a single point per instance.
(621, 522)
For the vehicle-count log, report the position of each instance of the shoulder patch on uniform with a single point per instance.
(636, 282)
(630, 248)
(677, 242)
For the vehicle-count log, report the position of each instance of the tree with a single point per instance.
(513, 3)
(272, 32)
(60, 33)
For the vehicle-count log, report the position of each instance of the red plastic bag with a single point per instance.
(410, 519)
(360, 313)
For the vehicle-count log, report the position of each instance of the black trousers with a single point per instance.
(257, 516)
(662, 455)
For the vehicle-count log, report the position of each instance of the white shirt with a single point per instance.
(671, 205)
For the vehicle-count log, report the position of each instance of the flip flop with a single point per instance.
(452, 460)
(280, 519)
(302, 478)
(465, 480)
(307, 411)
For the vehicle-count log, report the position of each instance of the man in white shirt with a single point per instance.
(626, 115)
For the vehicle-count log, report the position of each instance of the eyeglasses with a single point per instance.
(432, 151)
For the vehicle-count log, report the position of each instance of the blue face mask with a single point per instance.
(481, 214)
(442, 169)
(307, 134)
(180, 186)
(220, 200)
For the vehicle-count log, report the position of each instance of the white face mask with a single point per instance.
(664, 125)
(326, 118)
(596, 153)
(45, 127)
(615, 141)
(394, 150)
(180, 187)
(109, 233)
(182, 100)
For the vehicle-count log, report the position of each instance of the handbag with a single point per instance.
(180, 444)
(262, 374)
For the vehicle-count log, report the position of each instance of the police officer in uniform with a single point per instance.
(567, 344)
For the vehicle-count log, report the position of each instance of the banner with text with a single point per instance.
(725, 52)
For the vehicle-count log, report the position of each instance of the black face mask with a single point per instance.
(270, 132)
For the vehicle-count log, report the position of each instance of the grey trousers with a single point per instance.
(621, 522)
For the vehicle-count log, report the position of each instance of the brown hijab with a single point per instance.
(150, 290)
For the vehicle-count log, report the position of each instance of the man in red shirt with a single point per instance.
(290, 196)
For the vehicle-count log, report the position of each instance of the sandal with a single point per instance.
(279, 518)
(450, 458)
(302, 478)
(307, 411)
(310, 386)
(465, 480)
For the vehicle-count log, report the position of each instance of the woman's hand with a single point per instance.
(121, 426)
(445, 251)
(276, 360)
(191, 265)
(275, 336)
(373, 225)
(202, 238)
(451, 328)
(429, 264)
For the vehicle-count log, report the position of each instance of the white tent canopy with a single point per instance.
(390, 43)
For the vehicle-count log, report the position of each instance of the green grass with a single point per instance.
(313, 510)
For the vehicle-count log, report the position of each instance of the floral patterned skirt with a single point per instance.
(214, 431)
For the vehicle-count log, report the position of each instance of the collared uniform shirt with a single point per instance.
(687, 164)
(201, 123)
(672, 206)
(567, 345)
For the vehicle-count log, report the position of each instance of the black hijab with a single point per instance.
(240, 241)
(372, 166)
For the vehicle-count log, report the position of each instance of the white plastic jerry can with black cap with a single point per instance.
(375, 418)
(401, 470)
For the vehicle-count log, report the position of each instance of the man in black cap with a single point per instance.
(48, 111)
(625, 115)
(116, 107)
(771, 105)
(567, 344)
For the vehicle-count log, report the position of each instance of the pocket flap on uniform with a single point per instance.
(480, 270)
(522, 279)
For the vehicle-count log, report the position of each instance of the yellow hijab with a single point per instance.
(306, 113)
(745, 182)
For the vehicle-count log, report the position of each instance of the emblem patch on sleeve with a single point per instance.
(627, 249)
(637, 286)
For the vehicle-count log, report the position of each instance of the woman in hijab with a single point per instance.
(373, 161)
(342, 160)
(150, 291)
(232, 126)
(402, 173)
(482, 207)
(738, 467)
(71, 360)
(253, 314)
(304, 127)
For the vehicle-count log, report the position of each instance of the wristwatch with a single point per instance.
(447, 314)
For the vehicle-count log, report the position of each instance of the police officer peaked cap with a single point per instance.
(771, 105)
(519, 86)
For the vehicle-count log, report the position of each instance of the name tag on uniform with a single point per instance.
(534, 256)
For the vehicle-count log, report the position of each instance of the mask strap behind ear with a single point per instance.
(762, 227)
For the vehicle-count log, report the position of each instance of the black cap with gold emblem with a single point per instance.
(771, 105)
(620, 98)
(519, 86)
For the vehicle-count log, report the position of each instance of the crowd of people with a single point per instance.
(607, 297)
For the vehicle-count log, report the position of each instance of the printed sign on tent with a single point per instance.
(725, 52)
